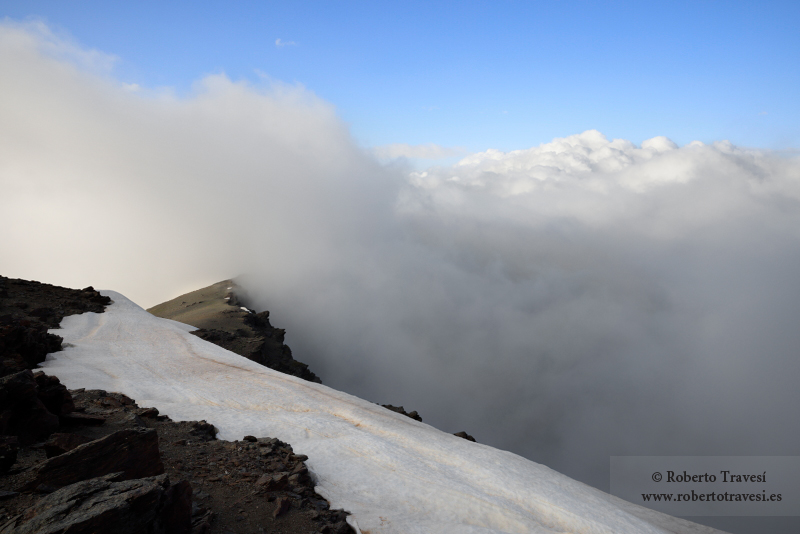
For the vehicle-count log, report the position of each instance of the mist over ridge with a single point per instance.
(584, 298)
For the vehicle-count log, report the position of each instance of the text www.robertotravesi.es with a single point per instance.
(712, 497)
(727, 476)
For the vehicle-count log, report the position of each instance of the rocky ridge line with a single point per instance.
(223, 319)
(94, 461)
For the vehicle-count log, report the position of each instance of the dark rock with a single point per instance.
(109, 402)
(251, 439)
(42, 313)
(336, 528)
(281, 506)
(127, 401)
(45, 488)
(175, 516)
(202, 524)
(399, 409)
(204, 431)
(275, 482)
(9, 446)
(8, 526)
(464, 435)
(82, 419)
(106, 505)
(7, 494)
(22, 413)
(134, 453)
(151, 413)
(94, 296)
(136, 420)
(53, 394)
(265, 346)
(300, 469)
(25, 344)
(60, 443)
(297, 479)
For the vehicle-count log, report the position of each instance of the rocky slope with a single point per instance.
(94, 461)
(222, 319)
(27, 310)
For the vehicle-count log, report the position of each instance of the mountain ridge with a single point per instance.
(220, 317)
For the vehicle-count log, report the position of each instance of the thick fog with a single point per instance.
(580, 299)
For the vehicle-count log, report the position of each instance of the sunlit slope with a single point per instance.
(394, 474)
(205, 308)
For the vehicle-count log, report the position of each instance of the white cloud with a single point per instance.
(280, 44)
(570, 301)
(36, 36)
(426, 151)
(185, 168)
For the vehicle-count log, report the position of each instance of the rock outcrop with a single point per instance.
(221, 318)
(27, 310)
(110, 504)
(399, 409)
(22, 412)
(132, 453)
(464, 435)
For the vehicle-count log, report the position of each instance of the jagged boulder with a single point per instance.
(24, 344)
(22, 413)
(134, 453)
(399, 409)
(53, 394)
(109, 504)
(464, 435)
(203, 431)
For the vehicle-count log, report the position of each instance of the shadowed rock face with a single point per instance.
(130, 453)
(107, 504)
(22, 412)
(218, 313)
(27, 310)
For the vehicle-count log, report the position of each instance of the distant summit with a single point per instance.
(222, 319)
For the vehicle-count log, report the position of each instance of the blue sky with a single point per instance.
(477, 75)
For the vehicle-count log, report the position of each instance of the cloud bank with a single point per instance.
(426, 151)
(584, 298)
